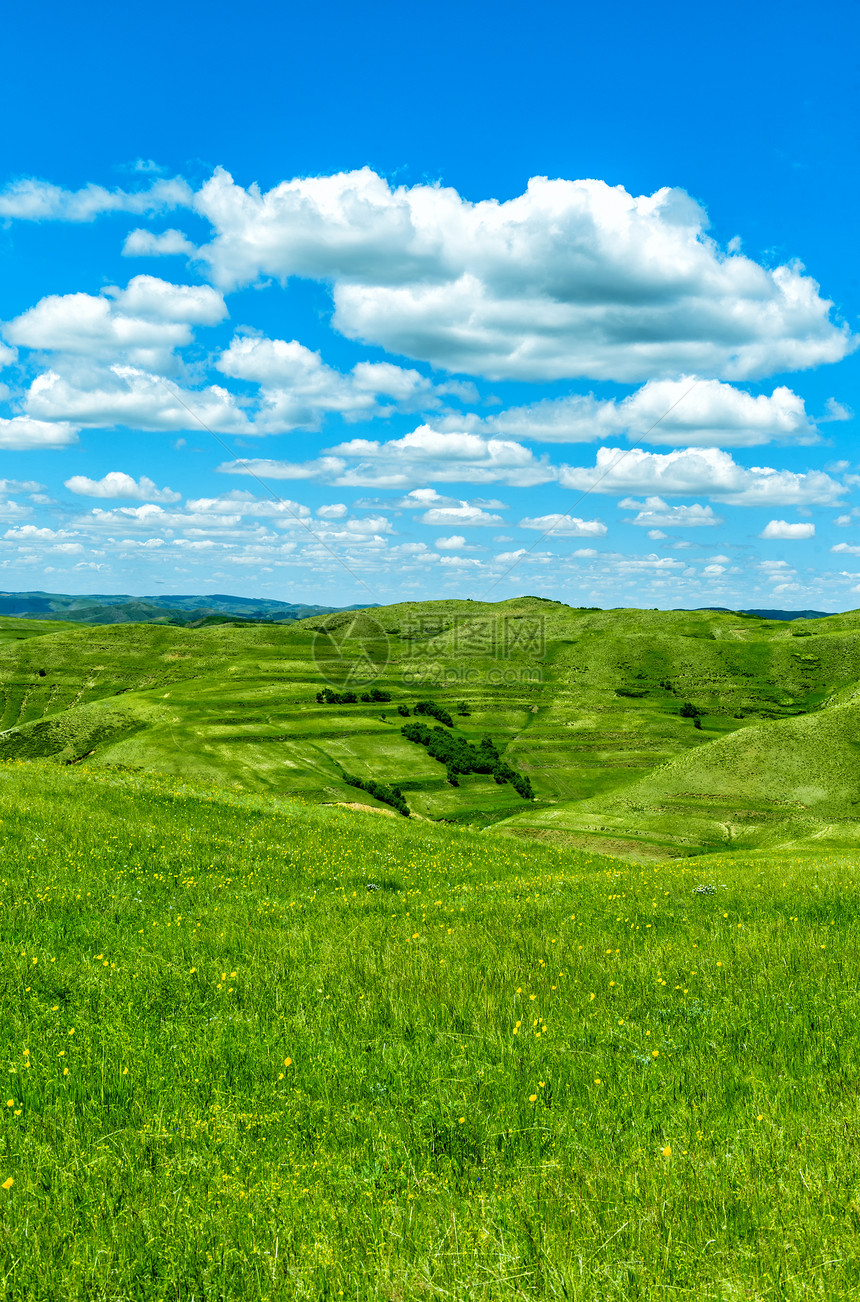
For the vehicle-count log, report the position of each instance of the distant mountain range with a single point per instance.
(772, 614)
(98, 608)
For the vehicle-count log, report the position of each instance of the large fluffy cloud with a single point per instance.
(699, 471)
(571, 278)
(142, 324)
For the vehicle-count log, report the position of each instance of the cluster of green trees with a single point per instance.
(459, 756)
(690, 711)
(388, 795)
(435, 711)
(329, 697)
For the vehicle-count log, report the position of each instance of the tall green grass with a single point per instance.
(267, 1050)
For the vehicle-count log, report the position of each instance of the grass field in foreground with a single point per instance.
(269, 1050)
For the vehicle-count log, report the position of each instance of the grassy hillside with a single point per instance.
(586, 703)
(255, 1048)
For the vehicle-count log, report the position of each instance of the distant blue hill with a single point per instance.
(773, 614)
(102, 608)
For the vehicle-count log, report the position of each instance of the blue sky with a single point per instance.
(474, 301)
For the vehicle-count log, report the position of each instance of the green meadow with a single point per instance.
(264, 1038)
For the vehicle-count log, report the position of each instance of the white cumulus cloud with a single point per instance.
(32, 200)
(655, 513)
(117, 484)
(464, 516)
(565, 526)
(298, 389)
(782, 529)
(148, 244)
(571, 278)
(142, 323)
(423, 454)
(700, 471)
(23, 433)
(686, 411)
(127, 395)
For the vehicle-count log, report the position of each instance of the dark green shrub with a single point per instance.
(435, 711)
(387, 795)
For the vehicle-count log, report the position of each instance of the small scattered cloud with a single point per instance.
(655, 513)
(565, 526)
(782, 529)
(834, 410)
(464, 515)
(147, 244)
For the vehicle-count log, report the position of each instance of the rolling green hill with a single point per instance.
(586, 703)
